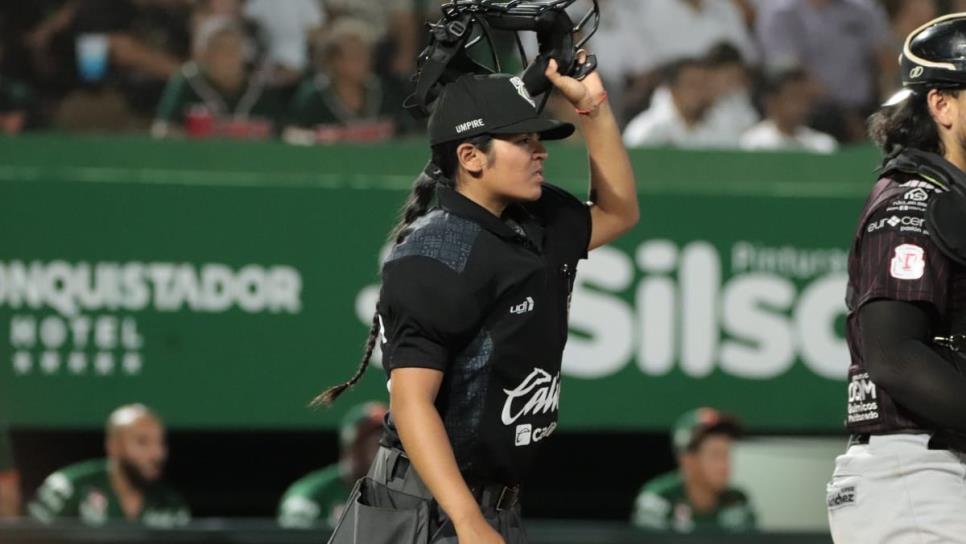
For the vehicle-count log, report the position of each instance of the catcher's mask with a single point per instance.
(466, 24)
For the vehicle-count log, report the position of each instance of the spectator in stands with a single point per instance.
(787, 99)
(318, 498)
(395, 27)
(146, 42)
(846, 46)
(9, 479)
(697, 498)
(679, 115)
(731, 87)
(125, 486)
(662, 31)
(345, 99)
(287, 29)
(905, 16)
(18, 106)
(217, 94)
(908, 15)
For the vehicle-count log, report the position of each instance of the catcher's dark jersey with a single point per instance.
(485, 302)
(893, 258)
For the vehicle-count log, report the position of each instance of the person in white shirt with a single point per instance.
(679, 114)
(732, 87)
(287, 28)
(788, 98)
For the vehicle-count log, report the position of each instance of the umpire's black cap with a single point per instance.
(934, 55)
(478, 104)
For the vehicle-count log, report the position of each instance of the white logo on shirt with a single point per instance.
(382, 330)
(917, 195)
(909, 262)
(542, 394)
(523, 307)
(526, 434)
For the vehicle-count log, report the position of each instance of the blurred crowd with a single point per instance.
(127, 484)
(750, 74)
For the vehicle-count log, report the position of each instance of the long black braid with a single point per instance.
(441, 171)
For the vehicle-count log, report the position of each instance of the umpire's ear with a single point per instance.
(471, 158)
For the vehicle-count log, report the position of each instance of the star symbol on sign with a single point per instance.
(22, 363)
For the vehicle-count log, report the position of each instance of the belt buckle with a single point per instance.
(508, 494)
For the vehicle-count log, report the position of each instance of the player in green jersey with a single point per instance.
(124, 486)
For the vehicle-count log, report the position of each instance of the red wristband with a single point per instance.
(603, 97)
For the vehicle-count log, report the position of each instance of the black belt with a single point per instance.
(936, 442)
(490, 495)
(497, 496)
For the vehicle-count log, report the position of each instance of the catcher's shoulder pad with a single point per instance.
(946, 213)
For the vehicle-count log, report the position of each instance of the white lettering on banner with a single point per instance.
(74, 342)
(539, 393)
(166, 287)
(752, 323)
(751, 318)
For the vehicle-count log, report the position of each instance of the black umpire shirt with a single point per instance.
(485, 301)
(894, 258)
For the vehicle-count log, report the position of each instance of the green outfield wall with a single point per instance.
(226, 283)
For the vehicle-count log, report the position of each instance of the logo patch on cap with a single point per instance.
(915, 72)
(522, 90)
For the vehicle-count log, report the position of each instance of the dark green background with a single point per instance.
(325, 211)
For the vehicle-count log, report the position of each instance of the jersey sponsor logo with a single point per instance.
(93, 509)
(522, 90)
(909, 262)
(863, 399)
(539, 393)
(917, 195)
(524, 307)
(912, 184)
(683, 518)
(525, 434)
(838, 497)
(905, 223)
(469, 125)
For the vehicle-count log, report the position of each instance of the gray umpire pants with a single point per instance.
(392, 505)
(895, 490)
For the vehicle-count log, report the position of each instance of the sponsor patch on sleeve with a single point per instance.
(908, 263)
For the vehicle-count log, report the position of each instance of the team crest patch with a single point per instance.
(909, 262)
(522, 90)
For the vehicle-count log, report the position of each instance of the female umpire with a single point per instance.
(472, 316)
(903, 477)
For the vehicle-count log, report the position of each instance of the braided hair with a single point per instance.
(441, 171)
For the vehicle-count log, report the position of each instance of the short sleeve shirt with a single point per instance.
(485, 300)
(892, 258)
(663, 505)
(316, 499)
(83, 491)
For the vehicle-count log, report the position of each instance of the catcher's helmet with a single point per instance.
(934, 55)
